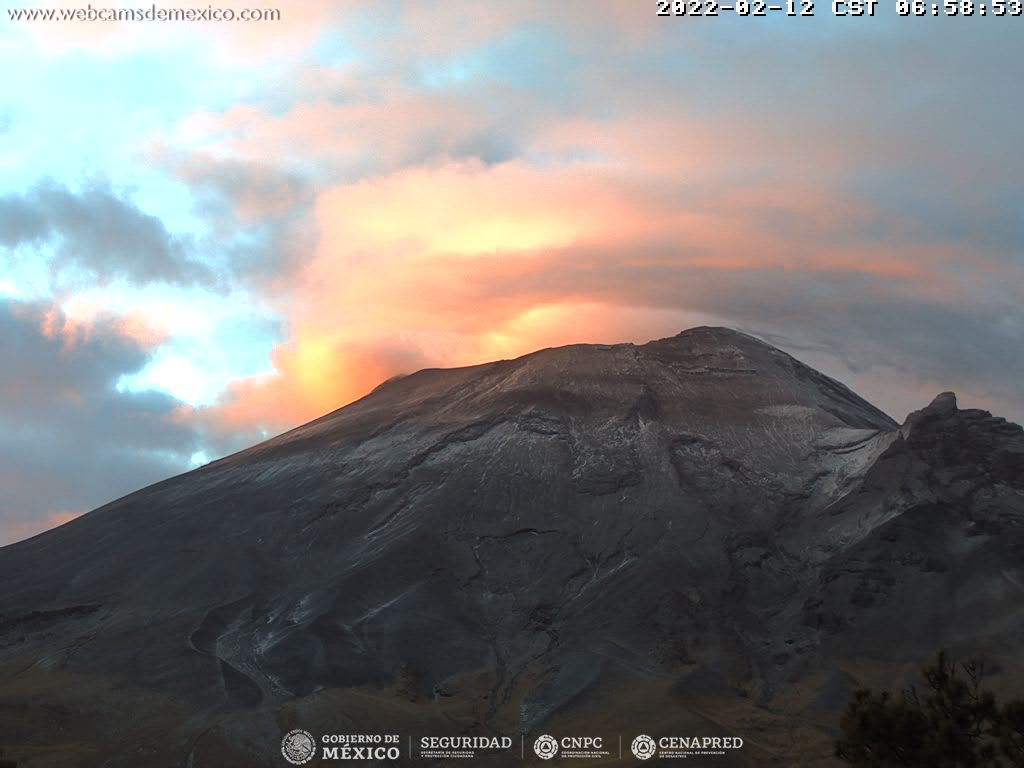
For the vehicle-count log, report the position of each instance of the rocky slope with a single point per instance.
(700, 535)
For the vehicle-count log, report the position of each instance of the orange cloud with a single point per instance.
(316, 372)
(465, 262)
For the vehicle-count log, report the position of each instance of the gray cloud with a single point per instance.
(99, 233)
(258, 212)
(69, 440)
(883, 337)
(231, 187)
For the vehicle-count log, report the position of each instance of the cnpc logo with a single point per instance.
(547, 746)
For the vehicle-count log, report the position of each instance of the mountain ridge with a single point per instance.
(697, 532)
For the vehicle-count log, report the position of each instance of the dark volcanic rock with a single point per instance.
(697, 536)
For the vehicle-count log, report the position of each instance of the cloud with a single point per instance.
(69, 440)
(465, 202)
(98, 233)
(465, 262)
(363, 127)
(256, 211)
(252, 190)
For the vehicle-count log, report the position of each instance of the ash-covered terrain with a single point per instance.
(696, 536)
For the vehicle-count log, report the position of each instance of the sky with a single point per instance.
(211, 232)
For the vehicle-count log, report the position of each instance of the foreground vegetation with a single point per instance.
(950, 723)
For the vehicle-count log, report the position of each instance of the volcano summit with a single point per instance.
(696, 537)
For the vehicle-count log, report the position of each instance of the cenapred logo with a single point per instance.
(643, 747)
(546, 747)
(298, 746)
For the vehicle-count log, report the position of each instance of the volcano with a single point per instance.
(698, 536)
